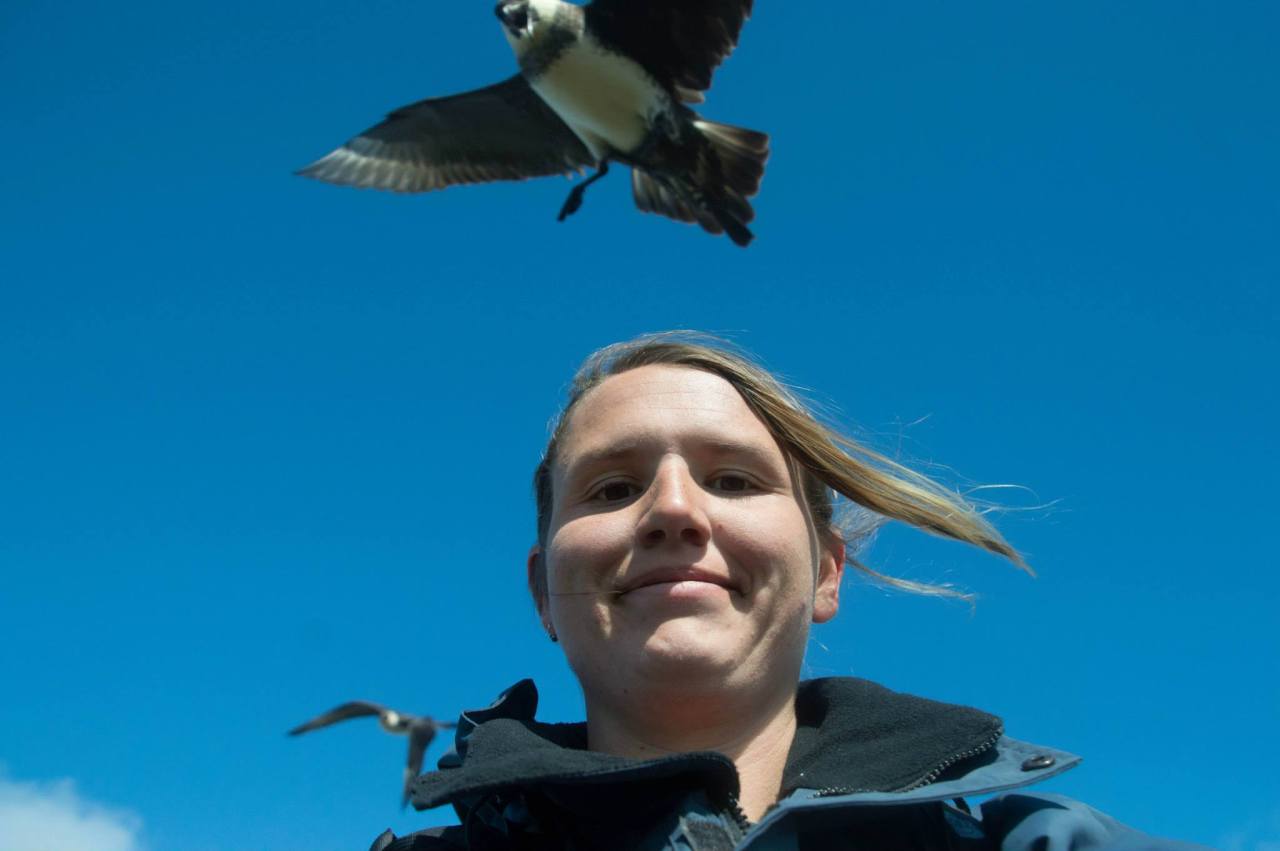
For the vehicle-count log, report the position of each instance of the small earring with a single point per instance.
(551, 633)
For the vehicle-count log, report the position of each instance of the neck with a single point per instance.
(757, 741)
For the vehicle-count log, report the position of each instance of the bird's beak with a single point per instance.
(514, 16)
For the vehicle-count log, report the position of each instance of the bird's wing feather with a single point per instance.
(419, 739)
(353, 709)
(501, 132)
(681, 42)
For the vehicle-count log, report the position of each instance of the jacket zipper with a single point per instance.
(739, 815)
(929, 777)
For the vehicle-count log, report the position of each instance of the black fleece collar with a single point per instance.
(852, 735)
(855, 736)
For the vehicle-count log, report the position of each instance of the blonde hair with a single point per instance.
(829, 462)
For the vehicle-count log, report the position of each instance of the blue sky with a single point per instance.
(266, 443)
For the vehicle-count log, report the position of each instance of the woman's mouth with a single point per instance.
(676, 582)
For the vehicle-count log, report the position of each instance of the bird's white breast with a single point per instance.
(603, 96)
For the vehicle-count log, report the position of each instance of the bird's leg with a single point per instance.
(574, 201)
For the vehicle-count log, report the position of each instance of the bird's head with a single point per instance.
(525, 21)
(394, 722)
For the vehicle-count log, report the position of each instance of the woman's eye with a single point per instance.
(615, 492)
(731, 483)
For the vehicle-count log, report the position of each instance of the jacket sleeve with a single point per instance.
(1020, 822)
(432, 839)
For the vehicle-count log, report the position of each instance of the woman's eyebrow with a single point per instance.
(751, 452)
(592, 458)
(734, 447)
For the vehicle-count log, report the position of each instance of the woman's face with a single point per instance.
(680, 549)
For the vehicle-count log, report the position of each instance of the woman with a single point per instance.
(687, 539)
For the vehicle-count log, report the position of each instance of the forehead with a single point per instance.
(661, 404)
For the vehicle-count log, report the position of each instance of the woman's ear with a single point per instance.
(537, 577)
(826, 592)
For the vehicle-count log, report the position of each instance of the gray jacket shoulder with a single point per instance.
(1023, 821)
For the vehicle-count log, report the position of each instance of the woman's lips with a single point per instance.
(685, 589)
(677, 581)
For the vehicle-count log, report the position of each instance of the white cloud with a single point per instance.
(1261, 834)
(54, 817)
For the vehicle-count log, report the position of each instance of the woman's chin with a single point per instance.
(690, 647)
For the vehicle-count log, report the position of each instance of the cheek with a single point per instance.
(773, 547)
(586, 552)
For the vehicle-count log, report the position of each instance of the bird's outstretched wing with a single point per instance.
(419, 739)
(501, 132)
(680, 42)
(353, 709)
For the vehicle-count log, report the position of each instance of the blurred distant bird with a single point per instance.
(420, 730)
(606, 82)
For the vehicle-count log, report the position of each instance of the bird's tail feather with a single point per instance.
(683, 201)
(654, 196)
(714, 194)
(742, 154)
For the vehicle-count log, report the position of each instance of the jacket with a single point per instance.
(869, 768)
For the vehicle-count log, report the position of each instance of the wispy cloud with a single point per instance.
(1261, 834)
(54, 817)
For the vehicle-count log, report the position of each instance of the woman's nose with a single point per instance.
(676, 509)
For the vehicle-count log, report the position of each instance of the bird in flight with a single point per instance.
(419, 728)
(606, 82)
